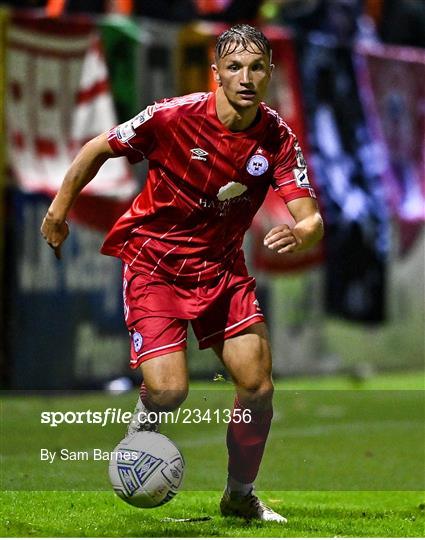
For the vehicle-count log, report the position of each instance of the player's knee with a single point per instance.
(166, 399)
(259, 392)
(264, 392)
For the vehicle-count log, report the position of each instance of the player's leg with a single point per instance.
(164, 388)
(247, 358)
(233, 324)
(165, 381)
(157, 345)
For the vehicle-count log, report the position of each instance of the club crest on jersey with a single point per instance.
(137, 341)
(257, 165)
(230, 191)
(301, 177)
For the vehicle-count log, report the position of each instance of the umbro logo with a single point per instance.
(198, 153)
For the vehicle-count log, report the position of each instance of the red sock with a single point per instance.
(143, 393)
(246, 442)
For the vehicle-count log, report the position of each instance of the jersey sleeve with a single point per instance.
(290, 178)
(135, 138)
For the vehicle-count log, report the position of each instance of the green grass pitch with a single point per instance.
(344, 458)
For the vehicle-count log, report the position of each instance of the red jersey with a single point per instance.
(205, 184)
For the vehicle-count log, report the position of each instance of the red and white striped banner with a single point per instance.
(58, 98)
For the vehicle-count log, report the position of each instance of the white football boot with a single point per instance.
(137, 423)
(248, 507)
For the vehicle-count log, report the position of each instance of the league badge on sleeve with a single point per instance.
(257, 165)
(301, 178)
(143, 116)
(125, 131)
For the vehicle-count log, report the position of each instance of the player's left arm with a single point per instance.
(306, 232)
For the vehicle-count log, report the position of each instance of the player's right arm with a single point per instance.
(84, 168)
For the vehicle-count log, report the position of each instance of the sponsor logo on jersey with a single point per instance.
(137, 341)
(257, 165)
(230, 191)
(125, 131)
(301, 178)
(198, 153)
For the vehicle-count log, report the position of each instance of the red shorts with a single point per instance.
(157, 312)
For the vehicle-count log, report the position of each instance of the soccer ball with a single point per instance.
(146, 469)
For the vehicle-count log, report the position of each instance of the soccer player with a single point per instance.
(212, 157)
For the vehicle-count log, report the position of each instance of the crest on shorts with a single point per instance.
(257, 165)
(137, 341)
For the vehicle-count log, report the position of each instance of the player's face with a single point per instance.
(244, 76)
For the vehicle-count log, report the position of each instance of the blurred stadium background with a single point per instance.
(349, 81)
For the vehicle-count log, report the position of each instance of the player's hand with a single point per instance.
(55, 233)
(281, 239)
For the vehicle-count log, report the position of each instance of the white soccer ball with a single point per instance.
(146, 469)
